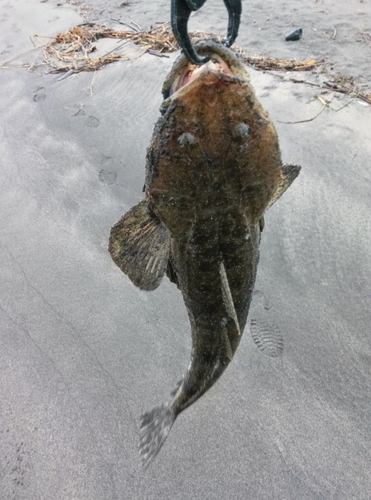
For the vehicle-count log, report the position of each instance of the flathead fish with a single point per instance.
(213, 168)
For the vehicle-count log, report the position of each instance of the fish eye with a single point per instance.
(186, 139)
(241, 131)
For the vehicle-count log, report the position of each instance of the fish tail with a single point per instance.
(154, 429)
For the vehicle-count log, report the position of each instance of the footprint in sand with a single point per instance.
(7, 50)
(39, 94)
(260, 299)
(108, 174)
(15, 29)
(265, 333)
(92, 122)
(267, 336)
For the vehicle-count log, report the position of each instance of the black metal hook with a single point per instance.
(180, 12)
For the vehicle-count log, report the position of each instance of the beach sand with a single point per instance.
(83, 352)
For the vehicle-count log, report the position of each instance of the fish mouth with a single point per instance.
(193, 71)
(222, 61)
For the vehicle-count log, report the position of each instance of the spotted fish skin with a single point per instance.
(213, 168)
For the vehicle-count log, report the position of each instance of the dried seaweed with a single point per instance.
(341, 84)
(75, 48)
(74, 51)
(263, 63)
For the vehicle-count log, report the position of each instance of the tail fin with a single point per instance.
(154, 429)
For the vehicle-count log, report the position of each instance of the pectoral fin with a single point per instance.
(139, 245)
(289, 174)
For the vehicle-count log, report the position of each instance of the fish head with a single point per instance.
(214, 146)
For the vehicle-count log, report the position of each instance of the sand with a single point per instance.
(83, 353)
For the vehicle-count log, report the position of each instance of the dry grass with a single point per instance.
(271, 63)
(73, 52)
(363, 37)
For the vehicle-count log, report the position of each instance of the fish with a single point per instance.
(213, 168)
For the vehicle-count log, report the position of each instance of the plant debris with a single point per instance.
(74, 51)
(75, 48)
(347, 85)
(363, 37)
(273, 64)
(325, 104)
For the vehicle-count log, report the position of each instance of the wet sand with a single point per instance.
(83, 352)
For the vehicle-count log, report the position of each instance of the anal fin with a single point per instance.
(139, 245)
(227, 297)
(228, 347)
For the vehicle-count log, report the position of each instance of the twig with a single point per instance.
(155, 53)
(305, 121)
(116, 48)
(295, 80)
(43, 36)
(352, 92)
(271, 63)
(33, 64)
(165, 25)
(91, 83)
(140, 29)
(134, 28)
(325, 104)
(18, 55)
(65, 75)
(78, 111)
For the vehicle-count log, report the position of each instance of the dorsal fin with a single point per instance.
(139, 245)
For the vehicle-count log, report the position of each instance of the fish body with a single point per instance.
(213, 168)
